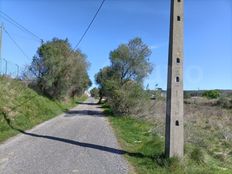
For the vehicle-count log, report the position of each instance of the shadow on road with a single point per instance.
(78, 143)
(73, 142)
(86, 145)
(74, 113)
(160, 159)
(83, 103)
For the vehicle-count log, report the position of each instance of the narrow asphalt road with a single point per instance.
(80, 141)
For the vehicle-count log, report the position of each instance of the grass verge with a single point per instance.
(146, 150)
(23, 108)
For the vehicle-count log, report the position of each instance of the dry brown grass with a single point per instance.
(207, 125)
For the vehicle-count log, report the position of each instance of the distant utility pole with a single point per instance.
(1, 31)
(17, 73)
(6, 66)
(174, 136)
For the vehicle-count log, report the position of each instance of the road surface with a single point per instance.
(80, 141)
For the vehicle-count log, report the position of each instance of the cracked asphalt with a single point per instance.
(79, 141)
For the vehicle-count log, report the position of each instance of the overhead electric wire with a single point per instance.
(16, 44)
(19, 26)
(91, 22)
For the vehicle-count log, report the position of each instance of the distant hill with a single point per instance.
(193, 93)
(200, 92)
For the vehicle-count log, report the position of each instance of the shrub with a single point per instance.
(211, 94)
(225, 102)
(130, 99)
(187, 95)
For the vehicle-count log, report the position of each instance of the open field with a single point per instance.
(208, 138)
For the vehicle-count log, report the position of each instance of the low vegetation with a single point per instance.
(211, 94)
(22, 108)
(208, 117)
(205, 150)
(225, 102)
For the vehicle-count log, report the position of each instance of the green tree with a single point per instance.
(103, 78)
(94, 92)
(211, 94)
(121, 82)
(58, 70)
(131, 61)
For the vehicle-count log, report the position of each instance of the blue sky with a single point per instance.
(208, 34)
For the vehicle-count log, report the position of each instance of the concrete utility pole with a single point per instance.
(1, 29)
(17, 73)
(174, 138)
(6, 66)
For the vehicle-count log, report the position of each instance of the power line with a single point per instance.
(19, 26)
(17, 45)
(91, 22)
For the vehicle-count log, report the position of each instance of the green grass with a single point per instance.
(146, 150)
(23, 108)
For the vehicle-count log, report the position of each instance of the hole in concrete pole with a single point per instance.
(177, 79)
(177, 123)
(178, 18)
(179, 0)
(177, 60)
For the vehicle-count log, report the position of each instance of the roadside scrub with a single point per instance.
(145, 150)
(22, 108)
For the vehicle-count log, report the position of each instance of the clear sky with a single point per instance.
(208, 34)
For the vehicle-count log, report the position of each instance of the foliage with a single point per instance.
(187, 95)
(225, 102)
(94, 92)
(157, 94)
(129, 99)
(211, 94)
(104, 78)
(121, 82)
(59, 71)
(130, 61)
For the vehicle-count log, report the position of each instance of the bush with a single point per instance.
(187, 95)
(225, 102)
(130, 99)
(211, 94)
